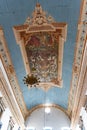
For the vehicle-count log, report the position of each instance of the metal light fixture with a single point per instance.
(47, 110)
(31, 80)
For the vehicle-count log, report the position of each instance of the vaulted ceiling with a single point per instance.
(14, 13)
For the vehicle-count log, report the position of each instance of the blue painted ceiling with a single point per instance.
(15, 12)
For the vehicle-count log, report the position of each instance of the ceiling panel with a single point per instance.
(15, 13)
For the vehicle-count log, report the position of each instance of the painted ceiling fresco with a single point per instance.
(15, 13)
(42, 52)
(41, 44)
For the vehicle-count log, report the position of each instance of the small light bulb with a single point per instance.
(47, 110)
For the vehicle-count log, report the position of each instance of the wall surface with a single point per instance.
(5, 120)
(56, 119)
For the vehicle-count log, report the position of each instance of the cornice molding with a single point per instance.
(2, 104)
(6, 59)
(8, 96)
(80, 64)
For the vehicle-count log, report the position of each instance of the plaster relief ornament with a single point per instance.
(39, 17)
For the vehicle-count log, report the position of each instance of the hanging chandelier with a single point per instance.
(31, 80)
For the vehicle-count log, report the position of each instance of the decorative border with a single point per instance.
(11, 123)
(11, 73)
(2, 104)
(80, 63)
(19, 29)
(80, 98)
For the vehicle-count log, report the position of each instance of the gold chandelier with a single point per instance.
(31, 80)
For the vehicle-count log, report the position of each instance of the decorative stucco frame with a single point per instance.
(21, 37)
(40, 23)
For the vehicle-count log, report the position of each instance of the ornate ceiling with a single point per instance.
(47, 45)
(41, 41)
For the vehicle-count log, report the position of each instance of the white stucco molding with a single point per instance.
(8, 95)
(4, 52)
(80, 60)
